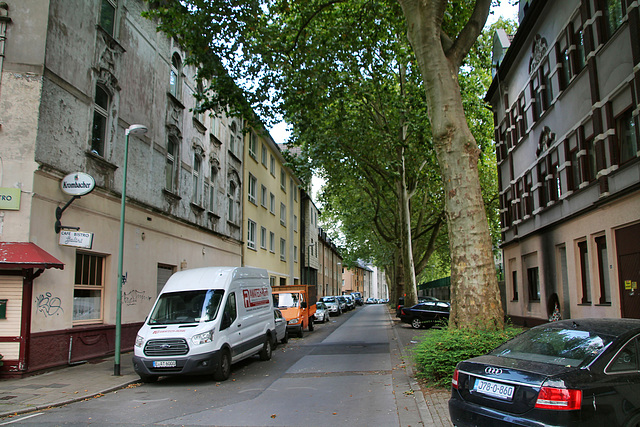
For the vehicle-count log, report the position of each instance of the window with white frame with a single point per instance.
(272, 165)
(108, 9)
(211, 193)
(100, 121)
(264, 155)
(263, 196)
(233, 128)
(283, 250)
(272, 242)
(198, 114)
(253, 145)
(231, 198)
(175, 76)
(272, 203)
(253, 184)
(196, 196)
(88, 290)
(283, 214)
(295, 223)
(295, 253)
(263, 238)
(283, 180)
(170, 170)
(251, 234)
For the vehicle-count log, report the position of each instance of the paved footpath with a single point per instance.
(95, 378)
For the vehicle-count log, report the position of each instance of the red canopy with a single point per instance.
(26, 255)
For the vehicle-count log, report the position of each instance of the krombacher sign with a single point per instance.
(77, 184)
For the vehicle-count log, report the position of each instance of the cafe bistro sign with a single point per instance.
(77, 184)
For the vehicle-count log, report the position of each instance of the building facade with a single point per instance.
(272, 204)
(565, 100)
(75, 75)
(330, 271)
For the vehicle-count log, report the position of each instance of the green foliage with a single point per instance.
(440, 350)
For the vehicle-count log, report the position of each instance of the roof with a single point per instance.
(26, 255)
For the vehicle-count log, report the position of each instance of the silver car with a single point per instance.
(332, 305)
(282, 335)
(322, 312)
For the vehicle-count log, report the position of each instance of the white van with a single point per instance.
(204, 320)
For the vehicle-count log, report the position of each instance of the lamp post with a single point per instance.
(131, 130)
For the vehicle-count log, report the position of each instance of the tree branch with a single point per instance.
(308, 21)
(469, 34)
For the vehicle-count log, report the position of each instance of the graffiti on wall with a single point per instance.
(134, 297)
(49, 305)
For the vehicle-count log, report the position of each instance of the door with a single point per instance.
(628, 248)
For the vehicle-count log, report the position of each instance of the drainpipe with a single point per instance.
(4, 20)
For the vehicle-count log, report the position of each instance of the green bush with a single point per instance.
(439, 350)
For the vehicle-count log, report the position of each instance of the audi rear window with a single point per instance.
(566, 347)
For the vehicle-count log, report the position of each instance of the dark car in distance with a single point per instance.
(581, 372)
(425, 314)
(420, 299)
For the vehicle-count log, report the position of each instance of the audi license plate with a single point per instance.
(492, 389)
(164, 363)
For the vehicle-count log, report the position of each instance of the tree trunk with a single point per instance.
(410, 287)
(474, 288)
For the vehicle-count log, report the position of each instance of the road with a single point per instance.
(346, 372)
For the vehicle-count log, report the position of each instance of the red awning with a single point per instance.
(26, 255)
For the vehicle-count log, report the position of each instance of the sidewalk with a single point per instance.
(64, 385)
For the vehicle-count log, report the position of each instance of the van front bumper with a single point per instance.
(205, 363)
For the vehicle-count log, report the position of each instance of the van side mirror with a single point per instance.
(303, 304)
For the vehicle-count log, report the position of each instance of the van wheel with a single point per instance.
(148, 378)
(267, 349)
(223, 371)
(301, 332)
(310, 324)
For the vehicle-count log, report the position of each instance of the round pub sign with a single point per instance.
(77, 184)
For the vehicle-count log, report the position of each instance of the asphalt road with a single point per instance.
(343, 373)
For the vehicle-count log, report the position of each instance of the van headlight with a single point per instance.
(202, 338)
(139, 341)
(293, 322)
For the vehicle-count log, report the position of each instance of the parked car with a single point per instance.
(582, 372)
(420, 299)
(425, 313)
(343, 303)
(282, 334)
(358, 297)
(351, 302)
(333, 305)
(370, 301)
(322, 312)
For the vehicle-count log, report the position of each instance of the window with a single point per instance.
(283, 250)
(196, 197)
(295, 253)
(577, 39)
(264, 155)
(272, 165)
(108, 16)
(272, 242)
(230, 312)
(211, 195)
(521, 119)
(514, 285)
(283, 180)
(603, 270)
(614, 13)
(283, 214)
(536, 95)
(263, 238)
(563, 58)
(253, 184)
(584, 270)
(253, 145)
(88, 288)
(533, 284)
(554, 185)
(272, 203)
(626, 137)
(170, 165)
(100, 119)
(571, 153)
(263, 196)
(591, 159)
(251, 234)
(542, 191)
(626, 360)
(175, 76)
(197, 111)
(231, 197)
(232, 137)
(527, 196)
(295, 223)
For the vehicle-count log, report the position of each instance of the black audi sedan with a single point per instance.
(582, 372)
(425, 314)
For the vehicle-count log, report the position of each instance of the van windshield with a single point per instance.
(286, 300)
(186, 307)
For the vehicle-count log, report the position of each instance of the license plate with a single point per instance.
(490, 388)
(164, 363)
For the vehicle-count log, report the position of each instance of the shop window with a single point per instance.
(100, 121)
(88, 288)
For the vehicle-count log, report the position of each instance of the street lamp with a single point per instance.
(131, 130)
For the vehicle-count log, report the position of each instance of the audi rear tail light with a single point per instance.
(559, 399)
(454, 380)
